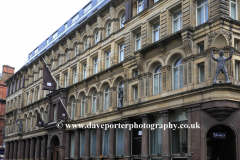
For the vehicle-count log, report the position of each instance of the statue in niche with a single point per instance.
(120, 97)
(221, 67)
(20, 127)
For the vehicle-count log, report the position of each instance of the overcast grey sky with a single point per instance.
(24, 24)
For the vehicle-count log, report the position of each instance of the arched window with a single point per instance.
(157, 80)
(59, 60)
(83, 105)
(94, 101)
(73, 109)
(67, 56)
(120, 84)
(85, 44)
(108, 29)
(122, 20)
(52, 65)
(31, 123)
(106, 98)
(177, 74)
(96, 37)
(76, 50)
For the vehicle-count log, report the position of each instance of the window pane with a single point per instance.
(120, 141)
(106, 101)
(156, 84)
(135, 93)
(156, 138)
(121, 56)
(233, 11)
(179, 139)
(94, 105)
(177, 14)
(156, 36)
(201, 2)
(138, 44)
(106, 143)
(93, 142)
(201, 73)
(181, 76)
(82, 143)
(176, 24)
(175, 78)
(206, 12)
(200, 15)
(72, 145)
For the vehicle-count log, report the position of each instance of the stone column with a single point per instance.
(26, 157)
(166, 145)
(22, 150)
(112, 144)
(76, 145)
(44, 147)
(32, 149)
(145, 138)
(19, 149)
(11, 151)
(37, 150)
(15, 150)
(99, 144)
(127, 141)
(68, 141)
(87, 144)
(6, 152)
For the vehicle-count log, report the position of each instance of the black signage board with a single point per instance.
(219, 135)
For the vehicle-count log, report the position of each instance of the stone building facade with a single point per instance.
(160, 53)
(7, 72)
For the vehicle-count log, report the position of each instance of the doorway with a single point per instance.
(221, 143)
(55, 152)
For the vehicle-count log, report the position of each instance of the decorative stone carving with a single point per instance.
(221, 67)
(120, 97)
(185, 74)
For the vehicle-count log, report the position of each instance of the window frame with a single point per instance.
(135, 87)
(121, 50)
(140, 4)
(237, 65)
(201, 44)
(104, 105)
(84, 71)
(109, 29)
(199, 73)
(94, 96)
(122, 20)
(65, 80)
(159, 79)
(95, 65)
(73, 107)
(85, 44)
(74, 75)
(173, 76)
(96, 37)
(230, 8)
(204, 12)
(154, 30)
(107, 57)
(76, 50)
(83, 105)
(179, 18)
(136, 41)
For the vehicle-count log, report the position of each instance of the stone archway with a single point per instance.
(221, 143)
(54, 145)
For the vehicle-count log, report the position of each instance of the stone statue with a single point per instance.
(120, 97)
(221, 65)
(20, 127)
(3, 131)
